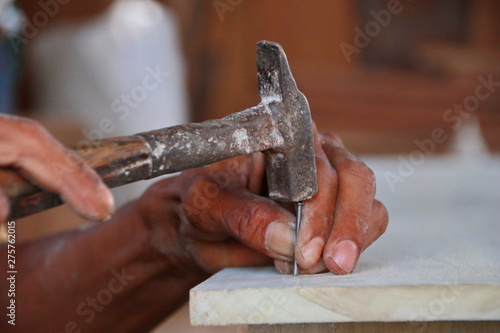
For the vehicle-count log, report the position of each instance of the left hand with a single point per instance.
(30, 149)
(221, 216)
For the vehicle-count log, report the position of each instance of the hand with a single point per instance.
(223, 218)
(27, 147)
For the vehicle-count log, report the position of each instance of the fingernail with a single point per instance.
(311, 252)
(284, 267)
(107, 198)
(345, 255)
(280, 238)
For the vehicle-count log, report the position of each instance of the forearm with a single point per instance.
(106, 278)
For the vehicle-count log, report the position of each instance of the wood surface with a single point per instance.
(438, 261)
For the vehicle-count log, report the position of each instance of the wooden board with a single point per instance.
(438, 261)
(414, 327)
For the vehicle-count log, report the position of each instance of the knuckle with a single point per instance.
(368, 174)
(195, 193)
(241, 221)
(193, 219)
(34, 129)
(38, 141)
(200, 199)
(357, 226)
(28, 129)
(200, 182)
(332, 138)
(359, 169)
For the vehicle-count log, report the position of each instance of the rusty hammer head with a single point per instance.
(290, 168)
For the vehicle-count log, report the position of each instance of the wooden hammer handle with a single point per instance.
(118, 161)
(124, 160)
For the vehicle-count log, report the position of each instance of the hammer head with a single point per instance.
(290, 168)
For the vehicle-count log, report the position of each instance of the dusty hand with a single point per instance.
(27, 147)
(224, 218)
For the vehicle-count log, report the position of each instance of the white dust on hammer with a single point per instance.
(240, 137)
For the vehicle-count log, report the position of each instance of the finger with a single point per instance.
(29, 148)
(353, 211)
(286, 267)
(246, 171)
(212, 252)
(378, 225)
(214, 256)
(318, 214)
(213, 212)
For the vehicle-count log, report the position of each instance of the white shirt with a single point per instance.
(110, 74)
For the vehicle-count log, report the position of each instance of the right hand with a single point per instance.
(28, 147)
(220, 216)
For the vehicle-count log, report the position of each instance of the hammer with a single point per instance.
(280, 126)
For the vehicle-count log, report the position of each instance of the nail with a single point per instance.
(345, 255)
(311, 252)
(280, 238)
(107, 199)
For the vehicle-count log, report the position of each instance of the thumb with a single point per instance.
(257, 222)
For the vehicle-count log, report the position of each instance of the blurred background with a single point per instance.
(401, 81)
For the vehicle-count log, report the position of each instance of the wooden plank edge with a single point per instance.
(295, 305)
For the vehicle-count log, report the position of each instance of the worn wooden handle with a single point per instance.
(118, 161)
(124, 160)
